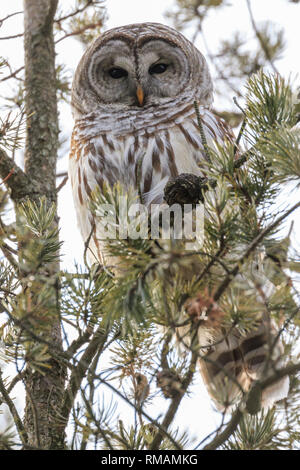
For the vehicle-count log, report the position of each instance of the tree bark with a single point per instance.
(43, 390)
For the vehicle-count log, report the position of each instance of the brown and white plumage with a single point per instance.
(140, 116)
(234, 359)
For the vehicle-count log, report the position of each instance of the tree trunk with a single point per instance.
(43, 390)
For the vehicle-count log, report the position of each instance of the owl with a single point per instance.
(133, 100)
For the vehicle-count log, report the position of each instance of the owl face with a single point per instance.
(138, 76)
(138, 66)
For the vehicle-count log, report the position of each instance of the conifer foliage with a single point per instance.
(68, 336)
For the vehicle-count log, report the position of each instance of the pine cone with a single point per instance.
(186, 188)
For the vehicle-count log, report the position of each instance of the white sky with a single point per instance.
(196, 414)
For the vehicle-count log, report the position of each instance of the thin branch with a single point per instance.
(12, 74)
(170, 414)
(291, 369)
(8, 255)
(260, 37)
(18, 182)
(13, 411)
(77, 343)
(205, 270)
(62, 184)
(13, 383)
(153, 421)
(10, 16)
(89, 402)
(74, 13)
(250, 250)
(80, 31)
(8, 176)
(4, 38)
(228, 431)
(213, 433)
(96, 343)
(92, 416)
(215, 64)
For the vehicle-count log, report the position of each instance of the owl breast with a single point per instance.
(159, 151)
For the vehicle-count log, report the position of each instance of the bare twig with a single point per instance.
(17, 420)
(12, 384)
(62, 184)
(228, 431)
(260, 37)
(7, 253)
(10, 16)
(215, 64)
(148, 417)
(18, 182)
(14, 36)
(8, 176)
(12, 74)
(96, 343)
(250, 250)
(80, 31)
(75, 12)
(172, 410)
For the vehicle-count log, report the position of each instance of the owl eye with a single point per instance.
(158, 68)
(117, 72)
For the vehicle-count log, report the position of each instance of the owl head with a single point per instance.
(140, 66)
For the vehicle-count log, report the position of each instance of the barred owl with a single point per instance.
(133, 100)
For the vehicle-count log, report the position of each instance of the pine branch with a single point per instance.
(10, 16)
(291, 369)
(12, 384)
(80, 341)
(95, 345)
(7, 251)
(175, 403)
(17, 420)
(18, 182)
(253, 245)
(14, 36)
(156, 424)
(12, 74)
(228, 431)
(79, 31)
(260, 37)
(75, 12)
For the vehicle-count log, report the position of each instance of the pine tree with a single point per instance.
(68, 335)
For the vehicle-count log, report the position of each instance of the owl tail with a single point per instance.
(235, 360)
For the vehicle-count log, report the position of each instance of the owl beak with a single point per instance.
(140, 95)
